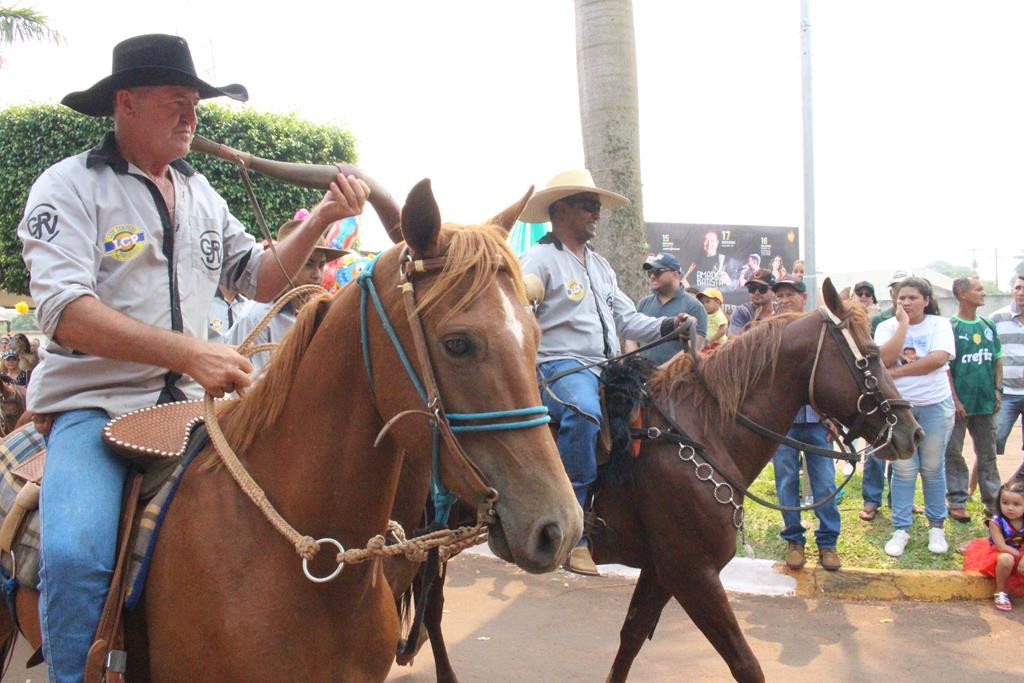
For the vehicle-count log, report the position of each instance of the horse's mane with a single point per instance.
(737, 366)
(482, 249)
(243, 420)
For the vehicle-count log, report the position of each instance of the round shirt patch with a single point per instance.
(124, 242)
(216, 324)
(574, 290)
(988, 333)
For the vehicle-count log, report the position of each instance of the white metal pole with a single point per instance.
(810, 262)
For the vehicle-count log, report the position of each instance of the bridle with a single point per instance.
(445, 425)
(869, 402)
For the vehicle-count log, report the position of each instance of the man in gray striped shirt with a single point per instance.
(1009, 322)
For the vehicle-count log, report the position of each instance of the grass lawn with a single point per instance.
(860, 543)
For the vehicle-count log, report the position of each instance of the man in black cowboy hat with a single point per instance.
(126, 245)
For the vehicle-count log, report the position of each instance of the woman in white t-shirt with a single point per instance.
(916, 345)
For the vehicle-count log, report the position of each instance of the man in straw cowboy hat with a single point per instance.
(582, 313)
(126, 244)
(312, 273)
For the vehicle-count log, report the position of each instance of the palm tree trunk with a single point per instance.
(609, 112)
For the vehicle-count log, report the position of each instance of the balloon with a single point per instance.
(301, 214)
(21, 307)
(329, 280)
(342, 234)
(350, 271)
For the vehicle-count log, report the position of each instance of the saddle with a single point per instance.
(155, 441)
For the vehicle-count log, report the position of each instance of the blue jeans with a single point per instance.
(873, 480)
(574, 402)
(929, 460)
(79, 512)
(822, 473)
(1013, 406)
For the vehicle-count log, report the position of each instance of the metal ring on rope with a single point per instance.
(332, 575)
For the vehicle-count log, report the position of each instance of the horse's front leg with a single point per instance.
(703, 597)
(649, 598)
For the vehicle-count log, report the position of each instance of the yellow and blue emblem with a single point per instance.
(574, 290)
(124, 242)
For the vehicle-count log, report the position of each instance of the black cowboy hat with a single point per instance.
(154, 59)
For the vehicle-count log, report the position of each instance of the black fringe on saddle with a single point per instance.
(624, 383)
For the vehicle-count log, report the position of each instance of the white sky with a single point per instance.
(917, 105)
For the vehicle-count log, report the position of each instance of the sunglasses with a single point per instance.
(656, 272)
(585, 203)
(865, 294)
(760, 289)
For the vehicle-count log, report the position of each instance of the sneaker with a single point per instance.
(795, 556)
(937, 541)
(895, 546)
(1002, 602)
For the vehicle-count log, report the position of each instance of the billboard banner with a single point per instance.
(725, 256)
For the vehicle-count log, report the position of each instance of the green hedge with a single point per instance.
(36, 137)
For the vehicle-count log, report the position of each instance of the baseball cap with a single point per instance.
(711, 293)
(899, 276)
(666, 261)
(763, 276)
(864, 284)
(798, 285)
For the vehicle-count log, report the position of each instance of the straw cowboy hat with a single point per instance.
(321, 245)
(153, 59)
(565, 185)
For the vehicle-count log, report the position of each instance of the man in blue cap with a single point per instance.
(668, 298)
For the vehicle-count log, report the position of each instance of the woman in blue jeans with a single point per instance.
(916, 345)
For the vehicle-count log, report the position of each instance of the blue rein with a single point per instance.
(443, 498)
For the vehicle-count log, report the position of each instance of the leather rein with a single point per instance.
(869, 402)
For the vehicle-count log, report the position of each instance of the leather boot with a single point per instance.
(580, 562)
(828, 559)
(795, 556)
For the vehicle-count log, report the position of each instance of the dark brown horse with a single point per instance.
(666, 521)
(661, 518)
(226, 598)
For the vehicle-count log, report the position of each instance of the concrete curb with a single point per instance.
(890, 584)
(770, 578)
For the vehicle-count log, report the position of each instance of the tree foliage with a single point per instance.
(21, 24)
(36, 137)
(955, 271)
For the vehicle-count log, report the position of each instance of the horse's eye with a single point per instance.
(458, 346)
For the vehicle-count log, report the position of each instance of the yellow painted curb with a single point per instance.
(890, 584)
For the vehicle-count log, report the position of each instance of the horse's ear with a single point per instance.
(507, 218)
(832, 299)
(421, 219)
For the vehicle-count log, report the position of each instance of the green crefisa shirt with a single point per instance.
(973, 367)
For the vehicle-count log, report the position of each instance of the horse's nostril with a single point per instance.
(918, 436)
(549, 539)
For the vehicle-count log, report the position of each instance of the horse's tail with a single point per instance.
(8, 636)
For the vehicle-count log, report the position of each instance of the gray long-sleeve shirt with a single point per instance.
(583, 312)
(96, 226)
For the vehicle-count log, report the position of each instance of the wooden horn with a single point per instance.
(314, 176)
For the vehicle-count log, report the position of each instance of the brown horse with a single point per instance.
(680, 529)
(226, 599)
(666, 521)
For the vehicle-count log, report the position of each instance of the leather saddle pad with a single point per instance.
(153, 436)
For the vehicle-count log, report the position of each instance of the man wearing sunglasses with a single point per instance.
(581, 313)
(668, 298)
(760, 306)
